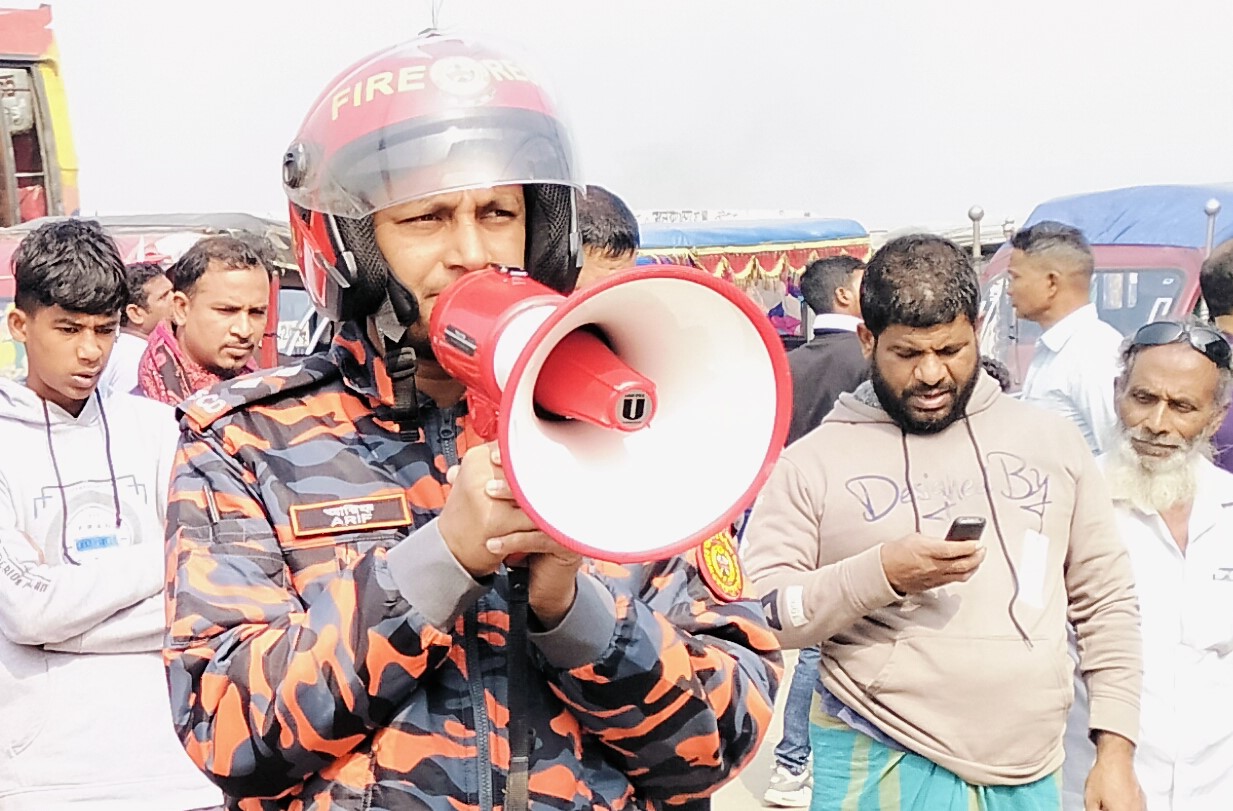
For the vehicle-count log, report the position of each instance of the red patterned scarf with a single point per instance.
(168, 375)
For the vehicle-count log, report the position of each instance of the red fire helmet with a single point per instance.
(441, 113)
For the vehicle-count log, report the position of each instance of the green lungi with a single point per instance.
(854, 772)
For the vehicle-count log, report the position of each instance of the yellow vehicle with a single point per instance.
(38, 167)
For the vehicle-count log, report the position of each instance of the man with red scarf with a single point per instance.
(218, 313)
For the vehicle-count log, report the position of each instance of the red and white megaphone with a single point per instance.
(636, 418)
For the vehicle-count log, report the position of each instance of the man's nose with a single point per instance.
(930, 370)
(89, 348)
(469, 251)
(243, 326)
(1156, 420)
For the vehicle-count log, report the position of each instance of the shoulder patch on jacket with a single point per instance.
(201, 409)
(721, 567)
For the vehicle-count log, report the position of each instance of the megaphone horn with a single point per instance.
(636, 418)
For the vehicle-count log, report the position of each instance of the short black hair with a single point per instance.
(1052, 238)
(1216, 281)
(232, 251)
(918, 280)
(71, 263)
(136, 276)
(823, 277)
(607, 224)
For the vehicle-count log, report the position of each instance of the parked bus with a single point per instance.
(38, 167)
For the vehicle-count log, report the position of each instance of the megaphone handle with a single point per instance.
(483, 414)
(518, 664)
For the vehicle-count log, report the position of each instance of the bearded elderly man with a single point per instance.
(944, 675)
(1175, 515)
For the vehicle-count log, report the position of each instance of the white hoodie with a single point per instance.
(84, 709)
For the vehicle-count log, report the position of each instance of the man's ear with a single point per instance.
(19, 323)
(1055, 281)
(135, 315)
(179, 308)
(868, 340)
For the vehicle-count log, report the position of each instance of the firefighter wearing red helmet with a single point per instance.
(338, 597)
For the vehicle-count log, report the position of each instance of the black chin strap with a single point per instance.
(398, 309)
(400, 362)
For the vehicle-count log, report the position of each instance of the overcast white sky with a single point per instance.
(891, 112)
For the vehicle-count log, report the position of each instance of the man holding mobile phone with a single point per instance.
(936, 557)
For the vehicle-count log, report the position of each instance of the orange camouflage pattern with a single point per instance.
(301, 678)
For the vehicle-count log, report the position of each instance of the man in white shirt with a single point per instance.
(1175, 515)
(149, 302)
(1075, 359)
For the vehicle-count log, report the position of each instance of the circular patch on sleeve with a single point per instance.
(721, 568)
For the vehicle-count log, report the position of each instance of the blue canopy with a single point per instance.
(746, 233)
(1143, 215)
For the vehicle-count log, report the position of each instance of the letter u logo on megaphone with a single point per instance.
(636, 418)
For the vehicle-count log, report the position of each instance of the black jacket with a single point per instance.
(822, 369)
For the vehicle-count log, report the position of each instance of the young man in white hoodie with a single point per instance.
(83, 484)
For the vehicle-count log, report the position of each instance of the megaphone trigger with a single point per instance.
(483, 414)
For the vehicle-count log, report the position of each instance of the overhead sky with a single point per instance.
(892, 112)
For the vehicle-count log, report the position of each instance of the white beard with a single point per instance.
(1155, 484)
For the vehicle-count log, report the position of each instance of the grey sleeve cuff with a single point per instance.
(586, 630)
(431, 578)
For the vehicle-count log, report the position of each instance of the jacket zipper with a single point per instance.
(483, 760)
(447, 435)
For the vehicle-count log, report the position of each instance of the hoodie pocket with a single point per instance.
(26, 686)
(985, 700)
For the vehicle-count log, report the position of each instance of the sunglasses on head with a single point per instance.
(1206, 340)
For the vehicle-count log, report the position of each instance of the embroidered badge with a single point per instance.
(350, 515)
(720, 567)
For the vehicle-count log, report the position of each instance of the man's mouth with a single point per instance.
(1151, 448)
(934, 400)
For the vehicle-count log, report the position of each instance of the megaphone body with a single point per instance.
(635, 418)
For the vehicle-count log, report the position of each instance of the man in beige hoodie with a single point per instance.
(945, 680)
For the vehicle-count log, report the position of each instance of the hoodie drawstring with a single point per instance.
(993, 511)
(907, 477)
(111, 467)
(997, 528)
(55, 466)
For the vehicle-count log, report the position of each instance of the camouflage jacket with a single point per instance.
(326, 651)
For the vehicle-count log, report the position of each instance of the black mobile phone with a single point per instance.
(966, 528)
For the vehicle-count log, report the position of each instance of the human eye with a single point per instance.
(423, 218)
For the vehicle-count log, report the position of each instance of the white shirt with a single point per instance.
(836, 321)
(120, 376)
(1184, 759)
(1072, 373)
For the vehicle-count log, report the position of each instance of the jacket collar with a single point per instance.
(363, 368)
(1060, 333)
